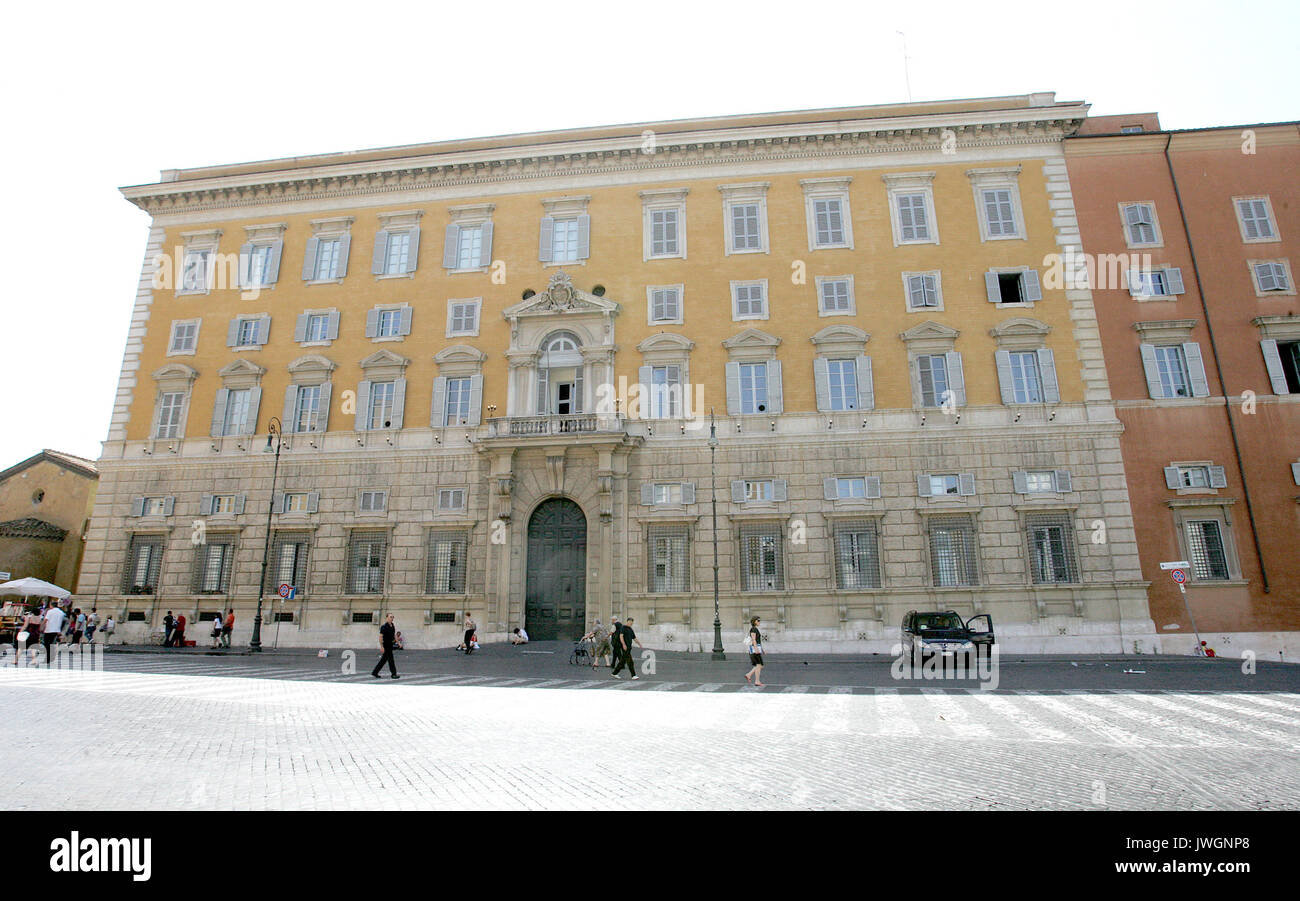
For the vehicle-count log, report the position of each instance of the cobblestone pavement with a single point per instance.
(155, 740)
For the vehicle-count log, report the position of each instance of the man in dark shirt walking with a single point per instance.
(169, 624)
(623, 638)
(387, 635)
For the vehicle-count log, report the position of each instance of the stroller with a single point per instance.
(584, 652)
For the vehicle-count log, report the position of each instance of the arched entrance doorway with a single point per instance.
(555, 596)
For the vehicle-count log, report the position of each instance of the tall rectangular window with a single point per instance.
(745, 223)
(564, 241)
(1051, 549)
(663, 232)
(999, 211)
(828, 221)
(842, 381)
(912, 221)
(318, 327)
(196, 270)
(933, 369)
(259, 264)
(753, 388)
(857, 555)
(469, 247)
(143, 565)
(952, 552)
(288, 562)
(761, 564)
(238, 408)
(665, 392)
(457, 407)
(381, 404)
(1171, 363)
(328, 257)
(170, 406)
(306, 414)
(366, 557)
(1027, 384)
(246, 334)
(212, 566)
(1205, 545)
(390, 323)
(398, 254)
(669, 559)
(445, 566)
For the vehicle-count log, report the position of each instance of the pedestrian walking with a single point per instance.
(228, 628)
(599, 637)
(470, 628)
(624, 640)
(178, 636)
(754, 641)
(51, 627)
(92, 625)
(109, 626)
(387, 639)
(79, 627)
(217, 626)
(169, 626)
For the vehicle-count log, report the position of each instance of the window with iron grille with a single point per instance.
(212, 565)
(287, 563)
(857, 554)
(282, 616)
(363, 617)
(1205, 544)
(136, 616)
(143, 565)
(445, 567)
(444, 617)
(367, 553)
(761, 566)
(953, 551)
(668, 554)
(1052, 556)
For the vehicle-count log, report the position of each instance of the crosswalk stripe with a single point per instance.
(666, 686)
(1221, 716)
(1084, 719)
(1019, 718)
(892, 713)
(954, 714)
(1124, 704)
(709, 686)
(795, 690)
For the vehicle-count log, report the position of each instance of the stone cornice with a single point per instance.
(606, 155)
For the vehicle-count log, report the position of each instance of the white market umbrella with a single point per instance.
(30, 587)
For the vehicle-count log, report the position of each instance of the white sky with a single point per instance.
(107, 96)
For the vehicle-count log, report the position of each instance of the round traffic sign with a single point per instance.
(285, 588)
(1179, 576)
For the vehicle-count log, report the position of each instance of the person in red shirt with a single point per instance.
(179, 638)
(227, 628)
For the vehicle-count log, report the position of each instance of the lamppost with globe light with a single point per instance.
(718, 653)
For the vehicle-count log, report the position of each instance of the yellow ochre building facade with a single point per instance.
(911, 410)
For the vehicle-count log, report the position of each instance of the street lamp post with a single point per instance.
(273, 430)
(718, 653)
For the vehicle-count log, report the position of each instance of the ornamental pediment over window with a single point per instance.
(562, 297)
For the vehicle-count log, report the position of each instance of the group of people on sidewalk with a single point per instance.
(58, 622)
(615, 642)
(174, 630)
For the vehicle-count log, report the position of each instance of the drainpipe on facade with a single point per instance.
(1218, 366)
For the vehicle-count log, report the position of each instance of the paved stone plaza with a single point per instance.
(293, 732)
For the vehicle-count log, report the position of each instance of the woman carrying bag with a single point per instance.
(754, 640)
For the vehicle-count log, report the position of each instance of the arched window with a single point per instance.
(560, 375)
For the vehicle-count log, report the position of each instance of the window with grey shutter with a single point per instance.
(956, 378)
(1196, 369)
(546, 240)
(1173, 477)
(1052, 555)
(1273, 364)
(775, 395)
(1295, 472)
(446, 562)
(668, 559)
(1218, 477)
(857, 554)
(309, 260)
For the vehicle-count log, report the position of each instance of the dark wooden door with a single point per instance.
(555, 599)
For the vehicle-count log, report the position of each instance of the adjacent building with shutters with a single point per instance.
(508, 413)
(1193, 234)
